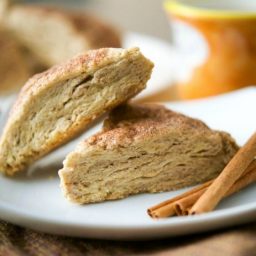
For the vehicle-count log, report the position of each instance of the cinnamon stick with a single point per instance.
(166, 208)
(181, 205)
(231, 173)
(244, 181)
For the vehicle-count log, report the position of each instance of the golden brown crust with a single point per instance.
(128, 123)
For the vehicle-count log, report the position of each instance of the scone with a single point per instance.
(144, 148)
(15, 66)
(55, 35)
(58, 104)
(17, 63)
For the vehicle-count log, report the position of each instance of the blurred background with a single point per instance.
(196, 52)
(37, 40)
(144, 16)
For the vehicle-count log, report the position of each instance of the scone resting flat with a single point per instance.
(54, 35)
(144, 148)
(58, 104)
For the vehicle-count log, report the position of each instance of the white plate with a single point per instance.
(34, 199)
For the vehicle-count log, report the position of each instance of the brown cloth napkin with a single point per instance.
(237, 241)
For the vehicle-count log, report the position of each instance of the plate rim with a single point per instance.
(204, 223)
(211, 216)
(20, 216)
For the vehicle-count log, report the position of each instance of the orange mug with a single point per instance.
(215, 43)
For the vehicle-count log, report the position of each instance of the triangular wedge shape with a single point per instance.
(144, 148)
(55, 35)
(58, 104)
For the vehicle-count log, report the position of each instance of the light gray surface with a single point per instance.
(144, 16)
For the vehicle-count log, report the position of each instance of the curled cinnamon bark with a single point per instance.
(223, 183)
(182, 204)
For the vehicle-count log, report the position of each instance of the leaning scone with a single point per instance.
(58, 104)
(144, 148)
(54, 35)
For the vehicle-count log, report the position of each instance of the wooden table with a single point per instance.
(237, 241)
